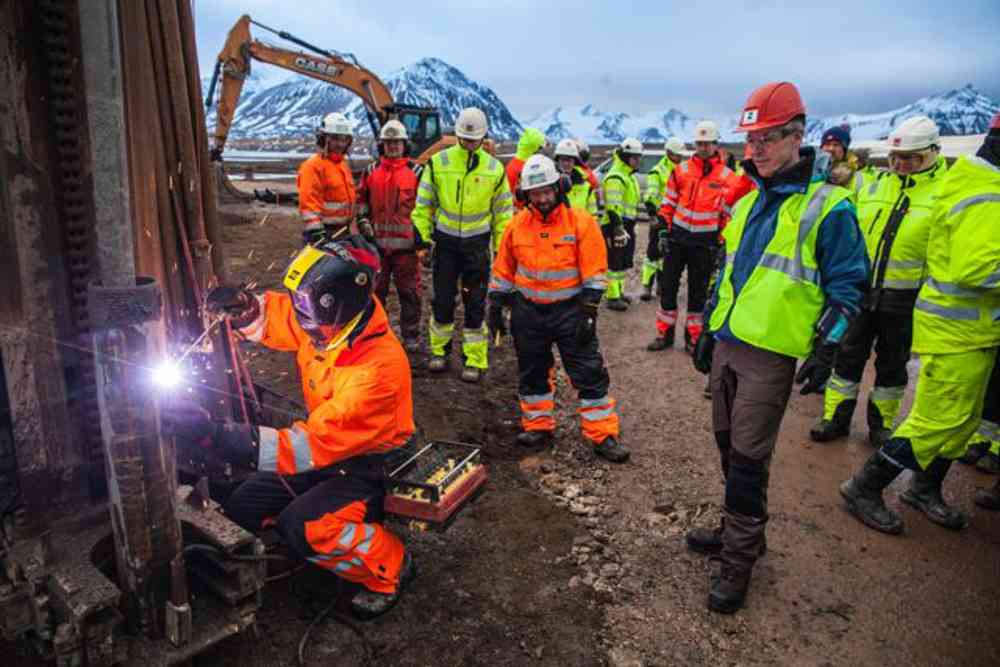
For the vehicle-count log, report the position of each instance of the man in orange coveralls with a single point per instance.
(321, 481)
(325, 183)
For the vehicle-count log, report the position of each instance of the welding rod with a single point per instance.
(197, 341)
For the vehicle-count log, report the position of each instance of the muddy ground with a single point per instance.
(569, 560)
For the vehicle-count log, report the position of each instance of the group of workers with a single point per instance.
(817, 258)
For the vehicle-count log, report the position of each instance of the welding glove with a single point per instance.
(239, 304)
(830, 330)
(651, 209)
(186, 420)
(620, 237)
(495, 319)
(586, 328)
(663, 237)
(703, 349)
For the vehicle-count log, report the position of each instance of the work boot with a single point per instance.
(989, 463)
(612, 450)
(626, 298)
(728, 588)
(369, 604)
(647, 292)
(534, 438)
(709, 540)
(689, 342)
(617, 304)
(437, 364)
(471, 374)
(989, 499)
(976, 451)
(662, 342)
(839, 426)
(925, 495)
(878, 437)
(863, 494)
(411, 345)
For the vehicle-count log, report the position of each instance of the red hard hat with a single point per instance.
(771, 105)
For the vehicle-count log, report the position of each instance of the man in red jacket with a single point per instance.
(387, 195)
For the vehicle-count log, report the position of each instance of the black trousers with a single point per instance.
(466, 264)
(698, 260)
(891, 333)
(991, 404)
(536, 328)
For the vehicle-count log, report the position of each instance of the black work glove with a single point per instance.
(367, 230)
(495, 320)
(313, 236)
(238, 303)
(816, 370)
(236, 443)
(586, 329)
(703, 349)
(663, 238)
(651, 209)
(186, 420)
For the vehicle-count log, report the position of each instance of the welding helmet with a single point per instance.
(331, 284)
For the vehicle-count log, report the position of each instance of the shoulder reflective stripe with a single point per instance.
(536, 398)
(594, 402)
(952, 289)
(789, 267)
(301, 450)
(808, 220)
(946, 312)
(365, 545)
(553, 295)
(905, 264)
(267, 450)
(901, 284)
(596, 415)
(561, 274)
(971, 201)
(887, 393)
(859, 181)
(444, 159)
(346, 537)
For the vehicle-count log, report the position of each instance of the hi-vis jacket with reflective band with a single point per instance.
(551, 259)
(907, 253)
(656, 181)
(621, 191)
(958, 308)
(359, 394)
(581, 194)
(693, 199)
(326, 192)
(387, 194)
(462, 196)
(778, 307)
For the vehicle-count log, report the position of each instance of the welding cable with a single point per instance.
(369, 657)
(215, 551)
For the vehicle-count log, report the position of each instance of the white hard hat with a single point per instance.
(539, 171)
(567, 148)
(674, 145)
(336, 123)
(470, 124)
(393, 129)
(706, 130)
(914, 134)
(582, 145)
(630, 146)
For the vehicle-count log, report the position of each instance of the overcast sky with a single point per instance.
(700, 57)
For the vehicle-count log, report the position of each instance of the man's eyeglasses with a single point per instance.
(769, 137)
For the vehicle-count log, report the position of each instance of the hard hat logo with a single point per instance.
(749, 116)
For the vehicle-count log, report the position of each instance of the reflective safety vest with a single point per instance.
(463, 196)
(581, 194)
(326, 192)
(553, 258)
(386, 195)
(779, 305)
(898, 255)
(693, 200)
(656, 181)
(621, 191)
(958, 308)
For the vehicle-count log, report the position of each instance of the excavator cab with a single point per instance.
(423, 125)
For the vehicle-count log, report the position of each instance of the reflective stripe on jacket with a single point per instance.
(387, 194)
(553, 258)
(621, 191)
(693, 199)
(879, 203)
(359, 394)
(462, 196)
(326, 192)
(958, 308)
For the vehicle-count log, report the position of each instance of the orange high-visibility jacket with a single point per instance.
(326, 192)
(693, 199)
(553, 258)
(359, 395)
(387, 194)
(738, 188)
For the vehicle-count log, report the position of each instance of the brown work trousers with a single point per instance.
(750, 390)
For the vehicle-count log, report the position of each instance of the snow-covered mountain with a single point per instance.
(294, 108)
(957, 112)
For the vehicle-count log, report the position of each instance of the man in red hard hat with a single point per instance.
(790, 285)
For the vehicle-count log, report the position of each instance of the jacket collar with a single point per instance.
(373, 325)
(813, 166)
(936, 170)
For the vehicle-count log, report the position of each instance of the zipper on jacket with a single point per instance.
(878, 214)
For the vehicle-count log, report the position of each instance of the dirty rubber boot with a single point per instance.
(658, 343)
(617, 304)
(925, 495)
(534, 438)
(611, 450)
(369, 604)
(863, 494)
(437, 364)
(839, 427)
(471, 374)
(647, 292)
(976, 451)
(989, 464)
(989, 499)
(728, 588)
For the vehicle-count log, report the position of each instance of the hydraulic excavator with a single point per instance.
(423, 124)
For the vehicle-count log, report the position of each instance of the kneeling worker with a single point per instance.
(321, 481)
(551, 270)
